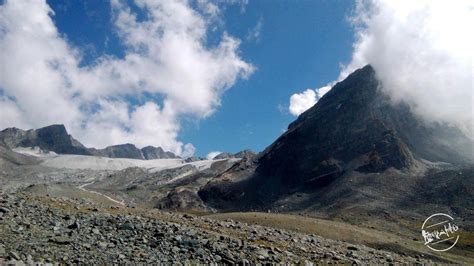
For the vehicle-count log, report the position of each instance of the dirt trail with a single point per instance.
(82, 187)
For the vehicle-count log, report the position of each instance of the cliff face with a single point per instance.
(52, 138)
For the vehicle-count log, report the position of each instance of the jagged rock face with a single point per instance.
(150, 153)
(119, 151)
(240, 155)
(12, 137)
(53, 138)
(245, 154)
(354, 127)
(346, 125)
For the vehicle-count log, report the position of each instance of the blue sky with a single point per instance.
(301, 45)
(221, 75)
(190, 76)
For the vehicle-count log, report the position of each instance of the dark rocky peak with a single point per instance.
(51, 138)
(150, 153)
(54, 137)
(356, 91)
(355, 126)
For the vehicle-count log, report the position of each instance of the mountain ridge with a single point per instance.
(56, 138)
(353, 133)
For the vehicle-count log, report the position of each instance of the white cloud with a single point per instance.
(323, 90)
(300, 102)
(213, 154)
(422, 52)
(166, 55)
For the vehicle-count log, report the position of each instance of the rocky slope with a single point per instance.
(60, 230)
(240, 154)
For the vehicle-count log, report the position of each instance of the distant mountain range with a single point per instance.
(55, 138)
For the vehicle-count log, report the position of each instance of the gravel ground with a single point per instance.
(61, 230)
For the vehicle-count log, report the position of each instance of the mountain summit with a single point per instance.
(353, 133)
(52, 138)
(356, 127)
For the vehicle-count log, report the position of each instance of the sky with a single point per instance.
(196, 77)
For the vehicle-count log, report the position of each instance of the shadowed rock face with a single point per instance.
(53, 138)
(150, 152)
(355, 126)
(349, 124)
(132, 152)
(119, 151)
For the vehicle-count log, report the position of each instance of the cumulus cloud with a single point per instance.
(42, 83)
(300, 102)
(422, 52)
(213, 154)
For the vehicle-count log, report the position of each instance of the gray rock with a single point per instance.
(74, 225)
(127, 226)
(61, 240)
(14, 255)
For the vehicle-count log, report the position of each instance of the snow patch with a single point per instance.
(34, 151)
(116, 164)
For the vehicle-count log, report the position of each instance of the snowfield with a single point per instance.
(69, 161)
(104, 163)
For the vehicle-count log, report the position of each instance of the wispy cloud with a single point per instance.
(254, 33)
